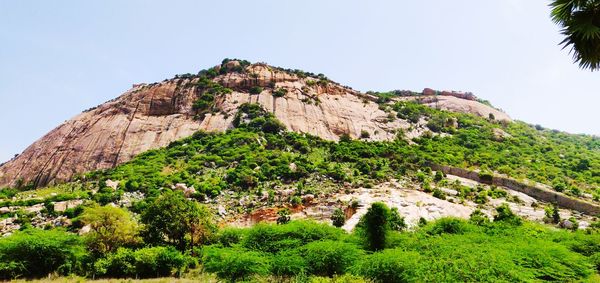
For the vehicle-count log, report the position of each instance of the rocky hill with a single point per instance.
(150, 116)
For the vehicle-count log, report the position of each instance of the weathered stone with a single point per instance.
(61, 206)
(112, 184)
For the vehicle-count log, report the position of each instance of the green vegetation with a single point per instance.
(36, 253)
(448, 249)
(338, 218)
(174, 220)
(142, 263)
(110, 228)
(167, 232)
(445, 250)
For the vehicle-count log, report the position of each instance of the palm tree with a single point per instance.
(580, 20)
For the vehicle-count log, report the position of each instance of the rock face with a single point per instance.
(456, 104)
(149, 116)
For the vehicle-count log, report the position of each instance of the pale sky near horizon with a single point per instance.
(58, 58)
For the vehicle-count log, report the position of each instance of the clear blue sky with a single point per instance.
(58, 58)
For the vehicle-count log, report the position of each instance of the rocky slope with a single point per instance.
(150, 116)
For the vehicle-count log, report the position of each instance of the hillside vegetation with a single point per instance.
(160, 214)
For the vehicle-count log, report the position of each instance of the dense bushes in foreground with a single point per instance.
(446, 250)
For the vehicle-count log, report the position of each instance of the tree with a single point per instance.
(338, 218)
(580, 22)
(175, 220)
(110, 228)
(375, 224)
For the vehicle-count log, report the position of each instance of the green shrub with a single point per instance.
(7, 193)
(119, 264)
(553, 263)
(328, 258)
(447, 225)
(479, 218)
(364, 134)
(235, 264)
(505, 214)
(595, 260)
(159, 262)
(393, 265)
(280, 92)
(274, 238)
(295, 201)
(288, 263)
(396, 221)
(338, 218)
(144, 263)
(283, 216)
(255, 90)
(439, 194)
(230, 236)
(36, 253)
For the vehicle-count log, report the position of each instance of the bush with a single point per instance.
(36, 253)
(144, 263)
(396, 221)
(328, 258)
(364, 134)
(235, 264)
(504, 214)
(439, 194)
(274, 238)
(393, 265)
(479, 218)
(447, 225)
(255, 90)
(119, 264)
(283, 216)
(338, 218)
(288, 263)
(280, 92)
(230, 236)
(595, 260)
(295, 201)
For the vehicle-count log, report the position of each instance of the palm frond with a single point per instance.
(580, 20)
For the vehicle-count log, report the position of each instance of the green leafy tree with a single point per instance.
(173, 219)
(110, 228)
(580, 22)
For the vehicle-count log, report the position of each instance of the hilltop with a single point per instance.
(150, 116)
